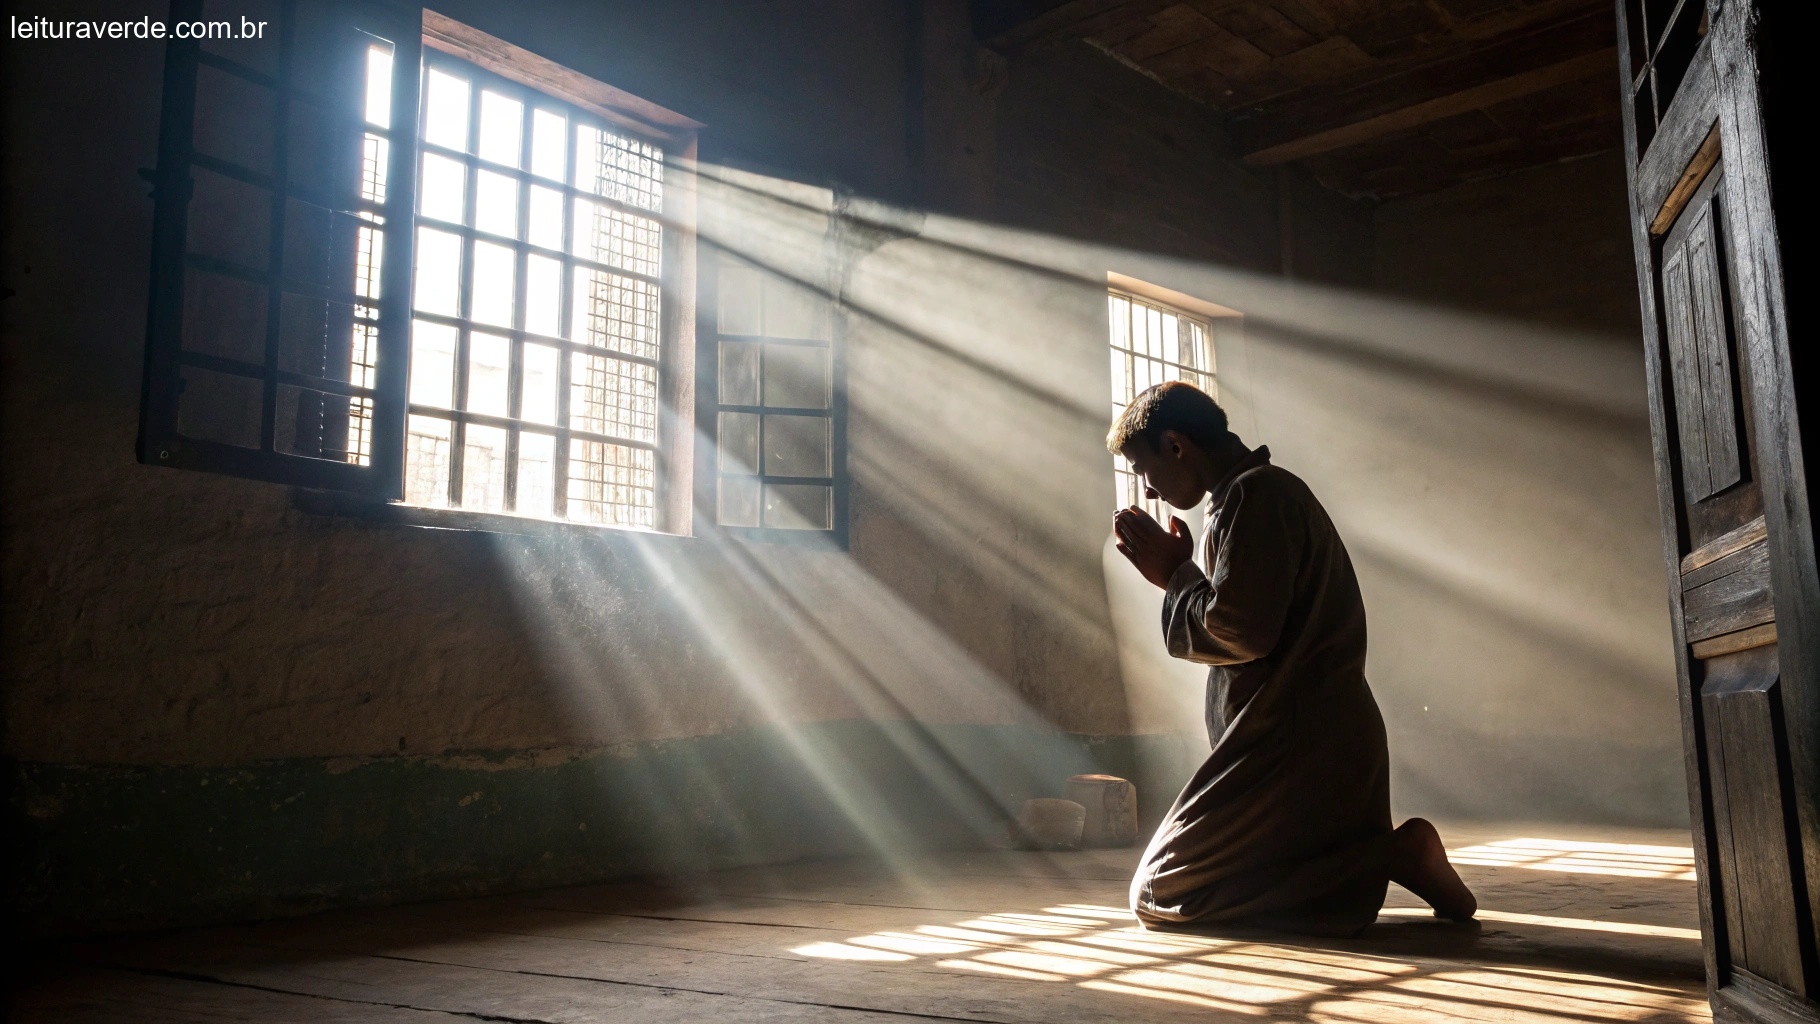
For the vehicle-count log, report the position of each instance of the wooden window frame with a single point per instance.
(347, 487)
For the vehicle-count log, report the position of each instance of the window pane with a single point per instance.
(799, 507)
(619, 167)
(797, 377)
(617, 238)
(369, 256)
(540, 381)
(374, 157)
(615, 312)
(549, 144)
(797, 446)
(494, 284)
(441, 189)
(438, 272)
(587, 158)
(221, 407)
(738, 442)
(379, 86)
(483, 468)
(738, 373)
(738, 501)
(501, 128)
(612, 484)
(496, 204)
(546, 217)
(613, 397)
(543, 295)
(792, 310)
(489, 372)
(445, 110)
(741, 301)
(426, 461)
(536, 474)
(433, 364)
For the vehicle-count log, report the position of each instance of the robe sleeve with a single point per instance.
(1234, 613)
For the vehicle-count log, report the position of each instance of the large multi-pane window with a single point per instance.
(536, 322)
(1152, 343)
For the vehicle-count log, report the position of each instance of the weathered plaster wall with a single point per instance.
(1520, 630)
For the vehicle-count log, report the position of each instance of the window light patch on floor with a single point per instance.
(1676, 862)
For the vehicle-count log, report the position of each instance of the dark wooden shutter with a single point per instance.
(277, 335)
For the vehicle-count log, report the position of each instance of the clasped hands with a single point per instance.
(1157, 553)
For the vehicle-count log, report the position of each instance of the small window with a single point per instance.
(1153, 343)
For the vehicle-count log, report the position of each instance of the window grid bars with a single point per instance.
(637, 455)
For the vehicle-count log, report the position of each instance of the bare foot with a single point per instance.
(1419, 864)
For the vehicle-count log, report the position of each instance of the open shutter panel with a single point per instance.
(774, 397)
(278, 331)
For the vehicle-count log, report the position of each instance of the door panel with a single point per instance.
(1706, 394)
(1747, 761)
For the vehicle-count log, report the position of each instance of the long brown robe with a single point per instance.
(1287, 823)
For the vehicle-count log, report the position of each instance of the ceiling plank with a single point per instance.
(1584, 66)
(1007, 25)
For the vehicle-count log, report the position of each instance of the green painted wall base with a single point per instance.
(105, 847)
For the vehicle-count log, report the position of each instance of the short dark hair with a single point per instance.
(1172, 405)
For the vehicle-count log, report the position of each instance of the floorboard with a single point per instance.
(1578, 925)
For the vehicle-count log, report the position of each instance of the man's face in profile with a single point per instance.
(1165, 470)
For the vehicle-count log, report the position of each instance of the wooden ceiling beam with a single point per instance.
(1428, 111)
(1380, 87)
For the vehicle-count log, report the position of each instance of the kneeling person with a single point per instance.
(1287, 823)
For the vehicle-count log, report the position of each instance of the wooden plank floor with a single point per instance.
(1577, 925)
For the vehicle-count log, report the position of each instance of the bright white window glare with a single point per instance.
(483, 468)
(536, 474)
(489, 374)
(495, 282)
(546, 218)
(379, 87)
(543, 296)
(496, 204)
(501, 128)
(549, 144)
(445, 110)
(433, 364)
(442, 188)
(438, 272)
(427, 461)
(541, 378)
(587, 158)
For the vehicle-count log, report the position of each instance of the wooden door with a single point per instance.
(1726, 410)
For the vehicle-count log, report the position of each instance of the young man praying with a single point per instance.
(1287, 824)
